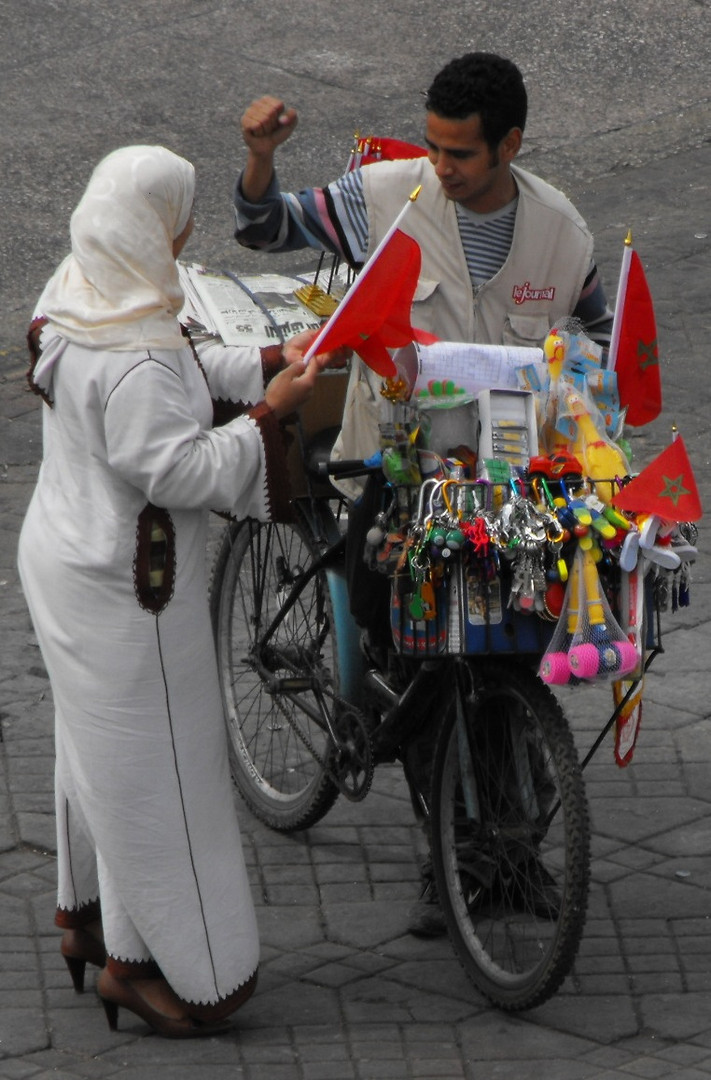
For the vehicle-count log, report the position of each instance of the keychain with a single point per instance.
(422, 602)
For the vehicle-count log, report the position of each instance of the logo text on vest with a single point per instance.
(522, 293)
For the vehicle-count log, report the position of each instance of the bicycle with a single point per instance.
(308, 720)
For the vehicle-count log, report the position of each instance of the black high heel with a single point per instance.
(79, 948)
(115, 993)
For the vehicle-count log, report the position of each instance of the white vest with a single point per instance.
(541, 280)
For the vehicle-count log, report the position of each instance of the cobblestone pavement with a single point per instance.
(344, 991)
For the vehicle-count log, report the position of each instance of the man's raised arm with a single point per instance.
(266, 124)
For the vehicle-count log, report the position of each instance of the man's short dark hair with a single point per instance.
(482, 83)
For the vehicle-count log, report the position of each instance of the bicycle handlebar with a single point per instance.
(345, 469)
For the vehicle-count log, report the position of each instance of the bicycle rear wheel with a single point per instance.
(276, 692)
(510, 835)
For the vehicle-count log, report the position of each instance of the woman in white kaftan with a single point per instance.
(112, 561)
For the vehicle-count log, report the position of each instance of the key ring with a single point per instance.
(420, 519)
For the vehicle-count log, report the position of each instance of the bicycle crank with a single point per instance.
(353, 765)
(350, 765)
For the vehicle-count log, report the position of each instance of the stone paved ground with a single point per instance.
(344, 992)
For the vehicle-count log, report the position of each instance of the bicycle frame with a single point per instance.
(487, 752)
(484, 747)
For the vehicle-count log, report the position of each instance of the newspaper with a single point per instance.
(255, 309)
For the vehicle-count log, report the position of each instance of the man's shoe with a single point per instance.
(534, 891)
(426, 918)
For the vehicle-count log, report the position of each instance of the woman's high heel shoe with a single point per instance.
(118, 993)
(80, 948)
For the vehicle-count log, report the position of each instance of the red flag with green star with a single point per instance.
(634, 353)
(666, 487)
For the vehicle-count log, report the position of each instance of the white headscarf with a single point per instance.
(119, 288)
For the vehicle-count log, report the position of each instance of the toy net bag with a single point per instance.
(588, 642)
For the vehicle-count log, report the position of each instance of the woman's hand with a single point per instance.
(291, 387)
(294, 384)
(296, 346)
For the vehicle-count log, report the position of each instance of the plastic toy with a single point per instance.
(555, 348)
(601, 459)
(590, 644)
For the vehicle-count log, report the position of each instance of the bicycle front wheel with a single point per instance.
(277, 689)
(510, 835)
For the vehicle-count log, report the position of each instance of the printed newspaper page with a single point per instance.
(255, 309)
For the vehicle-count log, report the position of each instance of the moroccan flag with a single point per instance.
(634, 353)
(374, 148)
(666, 487)
(374, 315)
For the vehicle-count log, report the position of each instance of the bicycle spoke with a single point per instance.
(278, 671)
(511, 876)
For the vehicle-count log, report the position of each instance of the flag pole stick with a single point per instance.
(313, 347)
(620, 302)
(352, 162)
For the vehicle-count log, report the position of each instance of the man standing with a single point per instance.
(504, 257)
(504, 254)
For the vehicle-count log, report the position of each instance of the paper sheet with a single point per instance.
(471, 367)
(256, 309)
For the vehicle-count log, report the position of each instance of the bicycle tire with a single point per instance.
(282, 781)
(510, 836)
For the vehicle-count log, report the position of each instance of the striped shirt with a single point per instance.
(335, 218)
(486, 240)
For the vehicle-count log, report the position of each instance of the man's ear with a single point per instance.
(510, 144)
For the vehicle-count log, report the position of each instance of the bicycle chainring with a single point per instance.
(353, 765)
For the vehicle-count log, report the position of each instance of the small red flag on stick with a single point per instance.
(666, 487)
(634, 353)
(374, 315)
